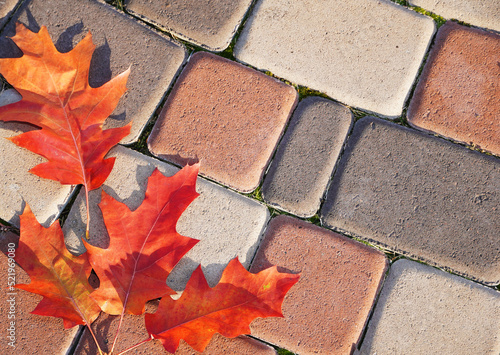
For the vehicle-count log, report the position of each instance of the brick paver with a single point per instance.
(17, 185)
(307, 154)
(325, 312)
(422, 310)
(209, 24)
(6, 8)
(133, 331)
(227, 223)
(458, 95)
(121, 42)
(419, 195)
(30, 331)
(484, 13)
(226, 115)
(362, 53)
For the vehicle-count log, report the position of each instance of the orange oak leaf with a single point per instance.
(56, 274)
(228, 308)
(144, 244)
(57, 97)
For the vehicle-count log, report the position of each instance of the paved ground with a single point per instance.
(356, 142)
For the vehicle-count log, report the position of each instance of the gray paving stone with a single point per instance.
(422, 310)
(228, 224)
(484, 13)
(419, 195)
(121, 42)
(362, 53)
(6, 8)
(17, 185)
(307, 154)
(209, 24)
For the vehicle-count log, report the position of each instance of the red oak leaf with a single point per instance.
(57, 97)
(144, 244)
(56, 274)
(228, 308)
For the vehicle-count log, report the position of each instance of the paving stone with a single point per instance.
(307, 154)
(325, 312)
(484, 13)
(121, 42)
(419, 195)
(133, 331)
(6, 8)
(458, 95)
(30, 331)
(17, 185)
(209, 24)
(226, 115)
(422, 310)
(362, 53)
(227, 223)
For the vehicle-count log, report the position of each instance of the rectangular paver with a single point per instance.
(482, 13)
(325, 312)
(228, 116)
(419, 195)
(422, 310)
(32, 334)
(209, 24)
(364, 53)
(121, 43)
(458, 95)
(304, 161)
(17, 185)
(227, 223)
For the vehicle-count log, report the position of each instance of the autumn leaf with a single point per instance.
(60, 277)
(144, 245)
(228, 308)
(57, 97)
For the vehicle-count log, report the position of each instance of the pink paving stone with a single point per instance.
(326, 311)
(225, 115)
(133, 331)
(458, 95)
(31, 331)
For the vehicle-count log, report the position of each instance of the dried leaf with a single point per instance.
(60, 277)
(144, 244)
(228, 308)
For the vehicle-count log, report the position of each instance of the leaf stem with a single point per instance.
(118, 330)
(88, 213)
(95, 339)
(136, 345)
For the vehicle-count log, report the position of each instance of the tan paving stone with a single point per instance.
(325, 312)
(482, 13)
(423, 310)
(458, 95)
(31, 331)
(225, 115)
(227, 223)
(6, 8)
(210, 24)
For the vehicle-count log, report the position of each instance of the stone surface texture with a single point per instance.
(18, 186)
(133, 331)
(363, 53)
(325, 312)
(422, 310)
(483, 13)
(304, 161)
(227, 223)
(225, 115)
(121, 42)
(458, 95)
(419, 195)
(31, 330)
(6, 8)
(209, 24)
